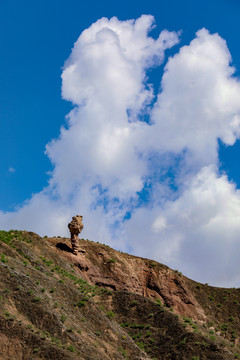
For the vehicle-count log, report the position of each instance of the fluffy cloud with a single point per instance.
(197, 233)
(149, 187)
(199, 101)
(105, 77)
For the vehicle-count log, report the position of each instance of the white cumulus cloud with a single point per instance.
(197, 233)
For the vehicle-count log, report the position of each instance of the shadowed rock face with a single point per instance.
(75, 227)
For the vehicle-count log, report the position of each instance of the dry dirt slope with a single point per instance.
(103, 304)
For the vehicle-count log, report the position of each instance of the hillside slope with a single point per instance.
(103, 304)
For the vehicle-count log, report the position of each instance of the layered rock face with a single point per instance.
(103, 266)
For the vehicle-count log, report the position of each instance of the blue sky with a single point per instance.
(36, 39)
(35, 42)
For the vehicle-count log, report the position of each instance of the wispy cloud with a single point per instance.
(152, 188)
(12, 170)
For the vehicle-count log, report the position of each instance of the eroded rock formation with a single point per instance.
(102, 266)
(75, 227)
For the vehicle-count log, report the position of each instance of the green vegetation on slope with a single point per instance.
(46, 303)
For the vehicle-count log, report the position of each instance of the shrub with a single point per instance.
(187, 321)
(110, 314)
(211, 337)
(140, 345)
(106, 291)
(152, 265)
(224, 327)
(210, 324)
(123, 352)
(3, 259)
(183, 341)
(123, 325)
(134, 302)
(111, 261)
(37, 299)
(71, 348)
(47, 262)
(82, 303)
(137, 326)
(63, 318)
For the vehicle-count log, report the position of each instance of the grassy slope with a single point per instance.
(49, 312)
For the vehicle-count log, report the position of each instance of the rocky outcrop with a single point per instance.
(75, 227)
(103, 266)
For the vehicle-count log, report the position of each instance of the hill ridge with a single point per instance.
(103, 304)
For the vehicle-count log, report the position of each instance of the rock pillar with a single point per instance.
(75, 227)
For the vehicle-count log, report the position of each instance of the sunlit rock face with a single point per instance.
(75, 227)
